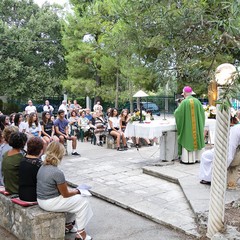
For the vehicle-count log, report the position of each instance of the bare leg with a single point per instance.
(74, 142)
(61, 139)
(117, 135)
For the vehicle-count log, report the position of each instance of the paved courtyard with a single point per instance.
(168, 193)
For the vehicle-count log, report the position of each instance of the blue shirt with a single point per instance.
(88, 116)
(61, 124)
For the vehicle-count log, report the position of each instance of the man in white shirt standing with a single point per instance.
(30, 108)
(64, 107)
(97, 106)
(48, 108)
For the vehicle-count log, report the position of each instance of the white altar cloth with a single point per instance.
(149, 130)
(156, 127)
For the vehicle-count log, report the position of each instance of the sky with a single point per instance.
(60, 2)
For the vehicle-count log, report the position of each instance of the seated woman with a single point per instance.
(33, 127)
(83, 123)
(73, 122)
(99, 127)
(18, 122)
(115, 130)
(11, 118)
(11, 162)
(53, 194)
(124, 119)
(48, 130)
(28, 170)
(4, 121)
(4, 147)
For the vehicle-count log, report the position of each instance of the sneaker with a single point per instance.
(125, 148)
(76, 154)
(119, 149)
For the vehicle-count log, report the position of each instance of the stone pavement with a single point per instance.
(167, 193)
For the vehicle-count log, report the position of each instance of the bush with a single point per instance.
(8, 108)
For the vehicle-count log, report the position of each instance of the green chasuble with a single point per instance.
(190, 121)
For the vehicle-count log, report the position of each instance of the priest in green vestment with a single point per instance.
(190, 121)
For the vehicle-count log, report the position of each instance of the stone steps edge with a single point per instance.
(122, 205)
(160, 175)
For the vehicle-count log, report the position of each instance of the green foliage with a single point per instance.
(147, 45)
(228, 92)
(31, 56)
(9, 108)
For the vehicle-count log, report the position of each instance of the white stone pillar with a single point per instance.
(219, 174)
(224, 75)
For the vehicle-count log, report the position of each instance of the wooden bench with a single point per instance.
(233, 172)
(31, 223)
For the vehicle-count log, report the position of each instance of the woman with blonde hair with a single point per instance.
(53, 194)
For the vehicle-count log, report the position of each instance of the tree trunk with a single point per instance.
(117, 89)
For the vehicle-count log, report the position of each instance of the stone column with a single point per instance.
(224, 76)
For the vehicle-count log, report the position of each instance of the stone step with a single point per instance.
(117, 177)
(186, 176)
(154, 198)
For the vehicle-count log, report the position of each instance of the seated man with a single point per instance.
(62, 131)
(207, 157)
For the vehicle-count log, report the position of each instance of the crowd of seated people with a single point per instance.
(75, 124)
(31, 150)
(39, 180)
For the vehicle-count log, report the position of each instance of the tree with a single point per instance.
(148, 44)
(31, 55)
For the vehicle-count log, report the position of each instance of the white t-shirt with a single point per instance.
(33, 129)
(22, 126)
(48, 108)
(30, 109)
(115, 122)
(64, 108)
(97, 107)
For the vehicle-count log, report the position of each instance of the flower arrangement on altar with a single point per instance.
(146, 116)
(136, 116)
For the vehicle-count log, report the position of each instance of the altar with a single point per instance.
(166, 132)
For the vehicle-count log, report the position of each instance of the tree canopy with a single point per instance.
(114, 48)
(32, 61)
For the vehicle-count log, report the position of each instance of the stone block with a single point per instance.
(31, 223)
(168, 146)
(110, 142)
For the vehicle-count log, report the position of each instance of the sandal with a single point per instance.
(69, 228)
(80, 237)
(205, 182)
